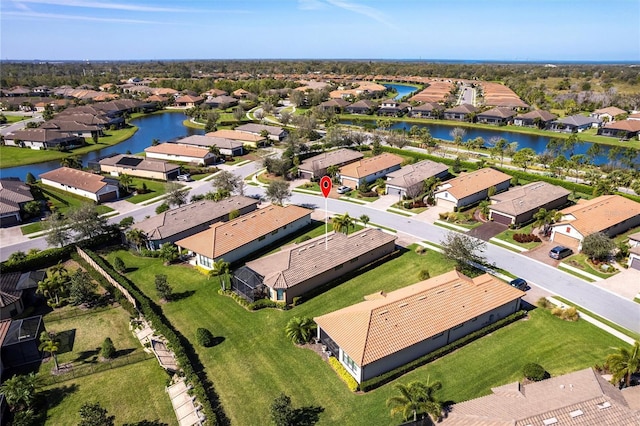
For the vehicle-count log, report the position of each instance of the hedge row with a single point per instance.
(253, 306)
(343, 374)
(183, 350)
(380, 380)
(526, 238)
(421, 156)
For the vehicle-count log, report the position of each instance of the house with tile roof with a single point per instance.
(363, 106)
(624, 129)
(608, 114)
(134, 165)
(14, 194)
(273, 132)
(536, 118)
(609, 214)
(335, 105)
(315, 167)
(462, 112)
(369, 169)
(634, 251)
(574, 123)
(10, 295)
(427, 110)
(180, 153)
(470, 188)
(228, 147)
(89, 185)
(42, 139)
(388, 330)
(247, 139)
(583, 397)
(498, 115)
(393, 108)
(190, 219)
(409, 180)
(222, 101)
(518, 205)
(188, 101)
(300, 268)
(240, 237)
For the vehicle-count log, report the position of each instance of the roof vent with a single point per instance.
(551, 421)
(576, 413)
(440, 292)
(402, 305)
(384, 312)
(422, 297)
(604, 405)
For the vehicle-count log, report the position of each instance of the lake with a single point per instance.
(402, 89)
(165, 126)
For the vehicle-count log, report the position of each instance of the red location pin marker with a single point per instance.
(325, 185)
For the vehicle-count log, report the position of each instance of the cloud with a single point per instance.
(102, 5)
(63, 17)
(311, 5)
(367, 11)
(21, 6)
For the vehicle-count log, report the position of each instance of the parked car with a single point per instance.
(560, 252)
(519, 283)
(343, 189)
(184, 178)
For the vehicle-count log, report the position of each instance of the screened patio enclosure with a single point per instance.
(248, 284)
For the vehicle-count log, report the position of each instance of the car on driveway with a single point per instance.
(560, 252)
(343, 189)
(519, 283)
(184, 178)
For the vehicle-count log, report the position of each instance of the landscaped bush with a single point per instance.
(118, 265)
(266, 303)
(108, 350)
(421, 250)
(568, 314)
(303, 239)
(526, 238)
(424, 275)
(343, 374)
(543, 303)
(534, 372)
(204, 337)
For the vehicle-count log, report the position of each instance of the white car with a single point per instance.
(343, 189)
(184, 178)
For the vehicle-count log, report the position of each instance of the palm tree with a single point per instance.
(545, 218)
(364, 219)
(220, 270)
(342, 223)
(416, 397)
(624, 363)
(126, 181)
(300, 329)
(49, 343)
(136, 237)
(215, 151)
(17, 256)
(19, 391)
(54, 284)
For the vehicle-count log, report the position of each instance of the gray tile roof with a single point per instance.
(522, 199)
(578, 120)
(257, 128)
(208, 141)
(414, 173)
(12, 193)
(9, 292)
(330, 158)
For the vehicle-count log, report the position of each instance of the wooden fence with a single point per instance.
(108, 277)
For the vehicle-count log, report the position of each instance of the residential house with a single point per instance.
(272, 132)
(189, 101)
(241, 94)
(240, 237)
(499, 115)
(315, 167)
(11, 303)
(89, 185)
(427, 110)
(608, 114)
(575, 123)
(247, 139)
(391, 107)
(388, 330)
(42, 139)
(634, 116)
(185, 221)
(369, 169)
(536, 118)
(518, 205)
(222, 101)
(228, 147)
(464, 112)
(470, 188)
(609, 214)
(14, 194)
(181, 153)
(133, 165)
(300, 268)
(335, 105)
(20, 340)
(625, 129)
(634, 251)
(583, 397)
(364, 106)
(409, 180)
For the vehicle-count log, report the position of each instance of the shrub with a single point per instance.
(162, 208)
(570, 314)
(535, 372)
(421, 250)
(296, 301)
(543, 303)
(343, 374)
(108, 350)
(204, 337)
(118, 265)
(424, 275)
(526, 238)
(303, 239)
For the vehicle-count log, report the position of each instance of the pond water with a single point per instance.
(164, 127)
(402, 89)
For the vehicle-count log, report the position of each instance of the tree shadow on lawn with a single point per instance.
(132, 269)
(182, 295)
(307, 416)
(51, 398)
(147, 423)
(66, 339)
(88, 357)
(123, 352)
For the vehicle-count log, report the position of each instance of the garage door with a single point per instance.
(635, 263)
(500, 218)
(108, 196)
(392, 190)
(567, 241)
(9, 220)
(449, 205)
(306, 175)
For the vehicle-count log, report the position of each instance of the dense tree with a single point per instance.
(55, 285)
(163, 288)
(19, 391)
(300, 329)
(624, 363)
(364, 219)
(457, 133)
(282, 412)
(598, 246)
(545, 218)
(57, 230)
(136, 237)
(342, 223)
(126, 181)
(277, 191)
(228, 182)
(175, 194)
(30, 178)
(118, 265)
(168, 252)
(107, 350)
(82, 289)
(17, 256)
(416, 398)
(524, 158)
(93, 414)
(86, 221)
(464, 250)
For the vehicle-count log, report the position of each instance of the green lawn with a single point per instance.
(256, 362)
(15, 118)
(156, 189)
(579, 261)
(63, 201)
(508, 237)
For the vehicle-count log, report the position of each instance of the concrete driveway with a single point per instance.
(625, 284)
(541, 253)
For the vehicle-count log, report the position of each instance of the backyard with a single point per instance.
(255, 361)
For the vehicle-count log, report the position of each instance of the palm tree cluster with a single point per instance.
(342, 223)
(300, 329)
(623, 364)
(55, 286)
(416, 398)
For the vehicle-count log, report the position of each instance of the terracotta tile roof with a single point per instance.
(500, 112)
(223, 237)
(330, 158)
(579, 398)
(235, 135)
(522, 199)
(4, 328)
(175, 149)
(471, 183)
(9, 292)
(76, 178)
(437, 91)
(538, 113)
(462, 109)
(599, 214)
(371, 165)
(139, 163)
(612, 111)
(626, 125)
(429, 106)
(175, 221)
(385, 324)
(189, 99)
(298, 263)
(208, 141)
(12, 193)
(635, 236)
(414, 173)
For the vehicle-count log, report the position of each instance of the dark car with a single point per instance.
(560, 252)
(519, 283)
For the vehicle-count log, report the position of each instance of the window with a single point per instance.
(274, 232)
(338, 267)
(351, 364)
(355, 259)
(261, 238)
(568, 229)
(280, 294)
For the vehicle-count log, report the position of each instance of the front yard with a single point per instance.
(256, 362)
(509, 233)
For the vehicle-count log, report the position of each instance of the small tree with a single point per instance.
(364, 219)
(49, 343)
(168, 252)
(278, 191)
(300, 329)
(282, 412)
(163, 288)
(598, 246)
(19, 391)
(93, 414)
(464, 250)
(533, 371)
(162, 208)
(118, 265)
(624, 363)
(175, 195)
(82, 289)
(204, 337)
(108, 350)
(30, 178)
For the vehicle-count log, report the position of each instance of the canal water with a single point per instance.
(163, 127)
(402, 89)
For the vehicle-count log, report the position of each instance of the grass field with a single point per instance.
(155, 188)
(255, 361)
(508, 237)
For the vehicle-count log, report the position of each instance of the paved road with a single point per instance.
(19, 125)
(598, 300)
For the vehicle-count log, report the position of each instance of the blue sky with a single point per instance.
(540, 30)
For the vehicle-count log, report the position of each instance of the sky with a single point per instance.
(496, 30)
